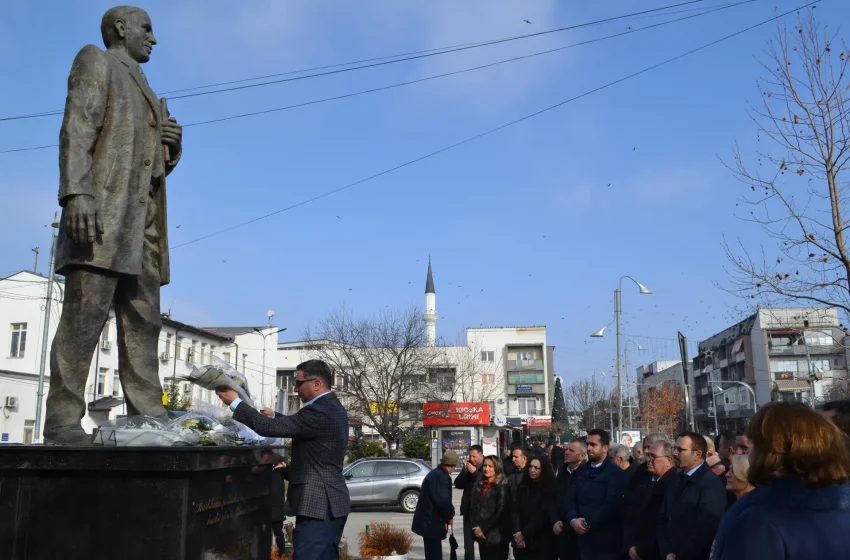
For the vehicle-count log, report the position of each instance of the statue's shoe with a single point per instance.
(74, 435)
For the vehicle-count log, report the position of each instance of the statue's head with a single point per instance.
(130, 29)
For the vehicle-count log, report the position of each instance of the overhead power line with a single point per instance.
(428, 78)
(382, 62)
(496, 129)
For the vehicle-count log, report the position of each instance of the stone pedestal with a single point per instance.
(163, 503)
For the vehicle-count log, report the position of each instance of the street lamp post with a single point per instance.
(263, 377)
(618, 310)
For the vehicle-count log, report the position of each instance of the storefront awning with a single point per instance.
(792, 385)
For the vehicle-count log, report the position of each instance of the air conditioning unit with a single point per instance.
(163, 357)
(11, 402)
(106, 345)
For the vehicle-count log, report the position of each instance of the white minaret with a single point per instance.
(430, 308)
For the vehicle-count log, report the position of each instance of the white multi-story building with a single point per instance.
(181, 348)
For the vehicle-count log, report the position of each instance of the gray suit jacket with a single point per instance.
(110, 146)
(319, 435)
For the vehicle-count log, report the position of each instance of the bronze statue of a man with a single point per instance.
(115, 149)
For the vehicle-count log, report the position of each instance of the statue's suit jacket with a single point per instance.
(110, 146)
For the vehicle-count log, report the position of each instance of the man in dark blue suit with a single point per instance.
(318, 496)
(596, 503)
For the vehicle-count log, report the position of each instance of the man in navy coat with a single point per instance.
(596, 503)
(693, 504)
(434, 510)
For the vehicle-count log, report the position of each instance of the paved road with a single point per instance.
(360, 517)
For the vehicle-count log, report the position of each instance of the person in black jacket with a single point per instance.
(508, 460)
(434, 510)
(596, 504)
(693, 504)
(464, 481)
(566, 538)
(531, 500)
(641, 532)
(558, 456)
(487, 510)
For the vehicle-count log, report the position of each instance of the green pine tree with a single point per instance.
(560, 421)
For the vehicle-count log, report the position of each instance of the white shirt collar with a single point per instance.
(693, 470)
(314, 399)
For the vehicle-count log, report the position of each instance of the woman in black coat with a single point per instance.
(531, 500)
(487, 510)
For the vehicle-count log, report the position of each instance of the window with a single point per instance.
(781, 367)
(169, 338)
(525, 355)
(363, 470)
(387, 468)
(487, 356)
(191, 356)
(203, 359)
(488, 379)
(212, 352)
(409, 468)
(527, 406)
(178, 348)
(492, 407)
(444, 378)
(820, 365)
(116, 383)
(525, 379)
(244, 359)
(187, 390)
(104, 334)
(101, 381)
(818, 339)
(19, 340)
(29, 428)
(226, 357)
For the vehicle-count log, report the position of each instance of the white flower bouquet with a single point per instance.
(221, 374)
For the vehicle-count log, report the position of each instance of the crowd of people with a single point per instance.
(778, 490)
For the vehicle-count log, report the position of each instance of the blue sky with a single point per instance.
(532, 225)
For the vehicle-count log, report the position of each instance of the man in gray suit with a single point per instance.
(115, 150)
(318, 496)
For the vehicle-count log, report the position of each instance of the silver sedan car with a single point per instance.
(386, 481)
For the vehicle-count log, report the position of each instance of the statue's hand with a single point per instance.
(172, 134)
(82, 222)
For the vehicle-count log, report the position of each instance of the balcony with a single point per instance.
(800, 350)
(520, 390)
(525, 365)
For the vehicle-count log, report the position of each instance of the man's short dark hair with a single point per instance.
(516, 445)
(742, 433)
(604, 437)
(112, 15)
(319, 370)
(727, 436)
(477, 448)
(841, 409)
(698, 442)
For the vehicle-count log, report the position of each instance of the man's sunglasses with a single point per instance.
(300, 382)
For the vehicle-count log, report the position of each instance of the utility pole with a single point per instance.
(45, 330)
(35, 266)
(618, 309)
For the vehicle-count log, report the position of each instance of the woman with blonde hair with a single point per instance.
(799, 463)
(736, 477)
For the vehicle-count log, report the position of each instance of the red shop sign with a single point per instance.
(456, 414)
